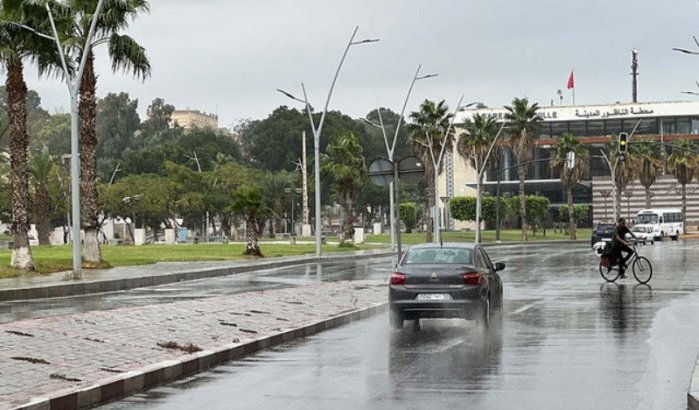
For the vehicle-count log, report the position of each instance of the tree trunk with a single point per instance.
(522, 171)
(42, 212)
(647, 189)
(684, 209)
(251, 235)
(88, 164)
(348, 223)
(429, 178)
(571, 213)
(19, 143)
(479, 184)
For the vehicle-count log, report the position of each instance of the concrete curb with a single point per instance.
(126, 384)
(74, 288)
(693, 392)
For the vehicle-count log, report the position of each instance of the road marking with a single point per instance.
(525, 308)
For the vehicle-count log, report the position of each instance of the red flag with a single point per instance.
(571, 81)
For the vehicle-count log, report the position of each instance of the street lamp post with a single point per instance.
(390, 151)
(436, 164)
(317, 132)
(290, 192)
(480, 169)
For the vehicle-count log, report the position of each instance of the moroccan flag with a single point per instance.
(571, 81)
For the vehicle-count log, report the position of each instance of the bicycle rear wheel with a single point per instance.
(642, 269)
(609, 274)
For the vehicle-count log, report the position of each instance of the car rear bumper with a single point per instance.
(466, 303)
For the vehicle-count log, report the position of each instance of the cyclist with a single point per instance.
(619, 245)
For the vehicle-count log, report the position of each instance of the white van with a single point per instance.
(662, 222)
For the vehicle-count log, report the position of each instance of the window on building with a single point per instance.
(669, 125)
(595, 128)
(559, 128)
(683, 125)
(613, 127)
(578, 128)
(695, 125)
(545, 130)
(645, 126)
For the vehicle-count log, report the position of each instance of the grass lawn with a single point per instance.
(49, 259)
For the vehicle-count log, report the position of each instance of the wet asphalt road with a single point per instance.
(227, 285)
(568, 340)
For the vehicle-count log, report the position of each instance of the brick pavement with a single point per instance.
(56, 356)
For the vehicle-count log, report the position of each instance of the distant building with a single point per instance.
(189, 119)
(593, 125)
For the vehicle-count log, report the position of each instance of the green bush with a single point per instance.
(409, 214)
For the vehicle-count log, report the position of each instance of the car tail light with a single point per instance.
(397, 278)
(473, 278)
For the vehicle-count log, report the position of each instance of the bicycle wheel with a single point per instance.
(609, 274)
(642, 269)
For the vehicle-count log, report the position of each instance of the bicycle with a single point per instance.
(640, 266)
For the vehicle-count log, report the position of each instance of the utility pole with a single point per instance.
(304, 177)
(634, 75)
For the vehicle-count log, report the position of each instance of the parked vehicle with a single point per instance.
(602, 232)
(456, 280)
(663, 222)
(644, 234)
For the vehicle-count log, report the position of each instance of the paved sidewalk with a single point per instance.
(79, 360)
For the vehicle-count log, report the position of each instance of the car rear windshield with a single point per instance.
(647, 219)
(602, 227)
(436, 256)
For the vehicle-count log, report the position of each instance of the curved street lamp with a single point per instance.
(317, 131)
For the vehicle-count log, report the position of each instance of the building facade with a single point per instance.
(189, 119)
(594, 125)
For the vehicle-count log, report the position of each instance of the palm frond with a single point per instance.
(128, 55)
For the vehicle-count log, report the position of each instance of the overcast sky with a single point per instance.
(228, 57)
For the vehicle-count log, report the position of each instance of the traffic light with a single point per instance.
(623, 142)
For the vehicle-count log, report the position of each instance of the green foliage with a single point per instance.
(55, 134)
(580, 212)
(373, 141)
(248, 201)
(463, 208)
(117, 121)
(409, 215)
(156, 128)
(153, 205)
(474, 143)
(682, 162)
(537, 208)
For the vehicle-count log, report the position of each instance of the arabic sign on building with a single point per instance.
(594, 112)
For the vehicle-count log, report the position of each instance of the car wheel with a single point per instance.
(484, 317)
(395, 319)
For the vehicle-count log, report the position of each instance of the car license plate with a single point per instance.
(434, 296)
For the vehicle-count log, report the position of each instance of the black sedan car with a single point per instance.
(454, 280)
(603, 231)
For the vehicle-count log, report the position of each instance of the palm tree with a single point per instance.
(426, 138)
(474, 144)
(125, 55)
(524, 122)
(570, 177)
(17, 45)
(248, 203)
(650, 165)
(682, 163)
(41, 167)
(344, 163)
(625, 171)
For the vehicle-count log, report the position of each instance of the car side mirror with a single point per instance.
(499, 266)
